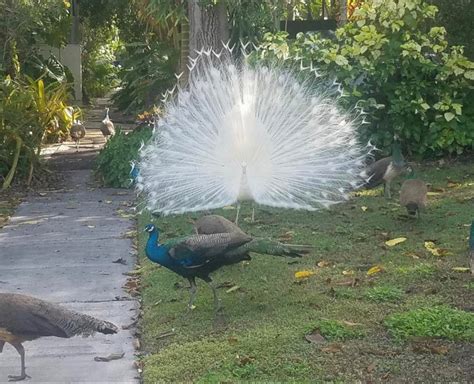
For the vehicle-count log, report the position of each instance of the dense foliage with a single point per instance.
(113, 165)
(30, 113)
(147, 71)
(33, 89)
(400, 69)
(458, 19)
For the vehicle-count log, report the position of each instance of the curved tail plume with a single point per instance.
(249, 132)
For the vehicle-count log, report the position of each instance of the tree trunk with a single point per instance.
(208, 26)
(343, 13)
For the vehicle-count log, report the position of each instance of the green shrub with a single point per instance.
(31, 112)
(439, 322)
(395, 64)
(113, 162)
(384, 294)
(335, 330)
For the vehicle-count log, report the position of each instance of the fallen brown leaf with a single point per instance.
(315, 337)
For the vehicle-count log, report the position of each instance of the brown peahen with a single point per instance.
(107, 127)
(77, 132)
(24, 318)
(217, 224)
(413, 196)
(385, 170)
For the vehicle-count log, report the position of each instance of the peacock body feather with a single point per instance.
(249, 132)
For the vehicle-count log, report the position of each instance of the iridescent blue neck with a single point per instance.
(154, 251)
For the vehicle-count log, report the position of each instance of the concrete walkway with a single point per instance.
(68, 246)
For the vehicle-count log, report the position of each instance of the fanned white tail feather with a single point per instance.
(242, 132)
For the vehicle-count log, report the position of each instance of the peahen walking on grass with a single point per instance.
(385, 170)
(243, 132)
(211, 224)
(25, 318)
(413, 195)
(107, 127)
(197, 256)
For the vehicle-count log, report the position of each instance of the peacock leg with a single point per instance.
(23, 374)
(217, 302)
(237, 214)
(2, 343)
(386, 190)
(193, 291)
(253, 213)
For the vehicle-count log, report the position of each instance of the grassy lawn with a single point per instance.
(340, 324)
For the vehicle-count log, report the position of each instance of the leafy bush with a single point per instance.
(30, 113)
(440, 322)
(400, 69)
(113, 163)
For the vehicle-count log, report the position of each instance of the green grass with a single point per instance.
(267, 318)
(382, 294)
(437, 322)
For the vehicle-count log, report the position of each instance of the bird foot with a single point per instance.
(18, 378)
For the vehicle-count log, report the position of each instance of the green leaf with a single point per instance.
(469, 75)
(449, 116)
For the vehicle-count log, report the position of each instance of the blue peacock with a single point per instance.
(218, 242)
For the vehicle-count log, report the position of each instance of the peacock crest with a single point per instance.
(242, 131)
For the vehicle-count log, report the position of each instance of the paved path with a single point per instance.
(61, 246)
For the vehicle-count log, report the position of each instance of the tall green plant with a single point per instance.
(400, 68)
(29, 113)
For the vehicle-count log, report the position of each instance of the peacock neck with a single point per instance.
(154, 251)
(397, 156)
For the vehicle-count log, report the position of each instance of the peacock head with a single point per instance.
(150, 228)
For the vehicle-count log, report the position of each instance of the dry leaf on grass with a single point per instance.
(287, 236)
(431, 247)
(228, 207)
(233, 289)
(461, 269)
(348, 273)
(364, 208)
(303, 274)
(396, 241)
(350, 323)
(324, 263)
(375, 269)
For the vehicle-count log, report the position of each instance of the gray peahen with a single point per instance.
(413, 196)
(196, 256)
(77, 132)
(385, 169)
(107, 127)
(24, 318)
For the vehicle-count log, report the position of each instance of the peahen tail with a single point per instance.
(255, 132)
